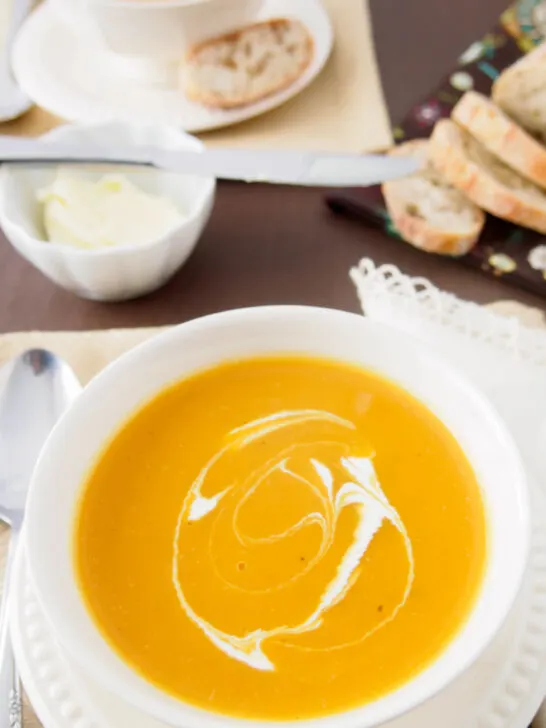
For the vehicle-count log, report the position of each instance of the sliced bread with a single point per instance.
(247, 65)
(427, 211)
(520, 91)
(487, 123)
(489, 183)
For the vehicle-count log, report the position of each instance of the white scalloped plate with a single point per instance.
(70, 74)
(505, 687)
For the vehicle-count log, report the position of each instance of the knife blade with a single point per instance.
(248, 165)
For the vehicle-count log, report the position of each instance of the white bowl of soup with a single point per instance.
(278, 514)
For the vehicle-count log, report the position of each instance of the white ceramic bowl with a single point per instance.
(143, 372)
(117, 273)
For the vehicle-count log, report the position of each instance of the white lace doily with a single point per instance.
(409, 303)
(507, 360)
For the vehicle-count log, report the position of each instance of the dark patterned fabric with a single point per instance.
(504, 248)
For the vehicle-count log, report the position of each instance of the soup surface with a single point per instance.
(280, 538)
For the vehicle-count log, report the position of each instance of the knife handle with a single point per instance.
(11, 703)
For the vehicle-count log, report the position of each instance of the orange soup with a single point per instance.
(280, 538)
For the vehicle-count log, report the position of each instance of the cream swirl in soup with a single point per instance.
(348, 481)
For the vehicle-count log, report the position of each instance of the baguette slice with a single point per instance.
(489, 183)
(487, 123)
(427, 211)
(249, 64)
(520, 91)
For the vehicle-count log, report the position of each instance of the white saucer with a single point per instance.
(502, 690)
(69, 73)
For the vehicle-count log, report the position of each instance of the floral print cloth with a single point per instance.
(515, 253)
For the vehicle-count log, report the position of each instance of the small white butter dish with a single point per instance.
(118, 272)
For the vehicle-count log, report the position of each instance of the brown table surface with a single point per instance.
(281, 245)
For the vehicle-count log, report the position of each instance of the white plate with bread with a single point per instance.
(220, 81)
(489, 157)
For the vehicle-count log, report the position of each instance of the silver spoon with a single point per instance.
(39, 389)
(13, 101)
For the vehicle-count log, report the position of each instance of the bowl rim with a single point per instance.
(389, 706)
(67, 130)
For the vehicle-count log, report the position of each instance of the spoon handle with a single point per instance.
(11, 706)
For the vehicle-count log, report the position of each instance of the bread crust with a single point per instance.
(226, 100)
(484, 179)
(515, 90)
(414, 227)
(487, 123)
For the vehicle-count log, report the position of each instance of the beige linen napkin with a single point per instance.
(89, 352)
(342, 110)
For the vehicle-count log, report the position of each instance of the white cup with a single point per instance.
(160, 30)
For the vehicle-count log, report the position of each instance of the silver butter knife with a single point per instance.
(39, 389)
(247, 165)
